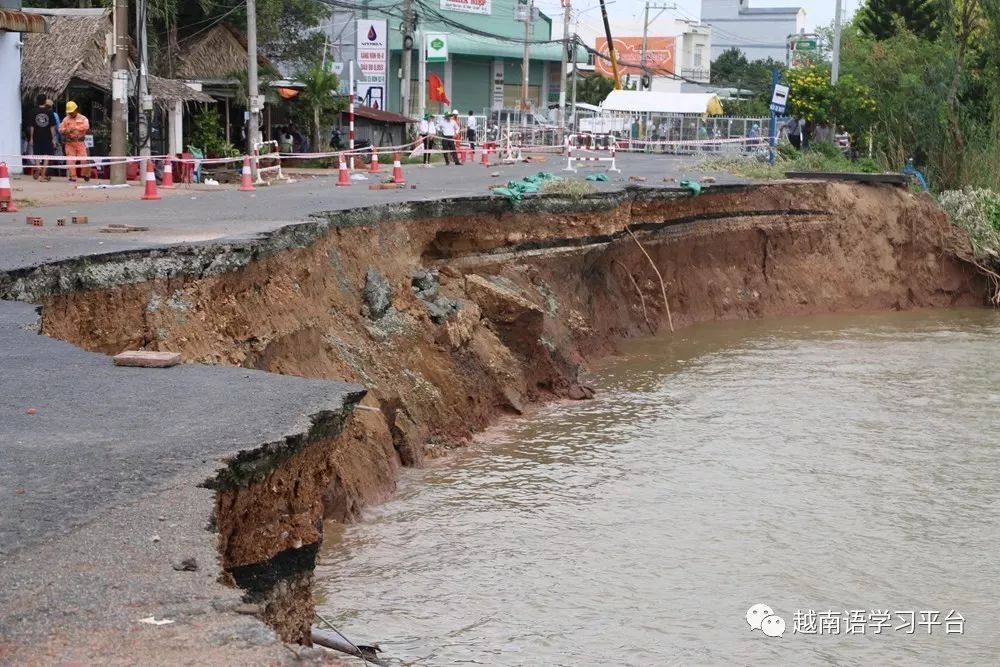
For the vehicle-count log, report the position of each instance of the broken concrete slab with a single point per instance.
(147, 359)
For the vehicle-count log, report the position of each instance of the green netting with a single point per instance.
(693, 186)
(529, 184)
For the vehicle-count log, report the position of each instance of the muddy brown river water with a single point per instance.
(841, 470)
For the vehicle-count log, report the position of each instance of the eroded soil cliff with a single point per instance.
(453, 318)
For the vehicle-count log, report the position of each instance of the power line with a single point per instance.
(216, 22)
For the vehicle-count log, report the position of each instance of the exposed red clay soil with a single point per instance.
(525, 322)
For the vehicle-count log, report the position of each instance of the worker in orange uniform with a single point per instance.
(74, 128)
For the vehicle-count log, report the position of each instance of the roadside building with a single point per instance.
(213, 61)
(675, 116)
(71, 61)
(14, 24)
(759, 32)
(483, 70)
(378, 127)
(677, 58)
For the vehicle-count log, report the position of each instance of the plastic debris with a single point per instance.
(602, 177)
(515, 189)
(692, 185)
(152, 620)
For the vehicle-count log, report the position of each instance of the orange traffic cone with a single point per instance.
(485, 159)
(7, 204)
(168, 175)
(373, 165)
(343, 178)
(397, 170)
(246, 177)
(150, 193)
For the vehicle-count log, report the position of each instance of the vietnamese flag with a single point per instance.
(436, 89)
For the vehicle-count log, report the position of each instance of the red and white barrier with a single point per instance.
(275, 168)
(570, 158)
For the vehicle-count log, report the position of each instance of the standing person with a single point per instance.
(422, 129)
(753, 138)
(426, 130)
(56, 165)
(470, 130)
(794, 131)
(42, 137)
(449, 128)
(74, 128)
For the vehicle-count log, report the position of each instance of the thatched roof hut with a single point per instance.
(215, 56)
(76, 50)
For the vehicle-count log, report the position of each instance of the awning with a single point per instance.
(12, 20)
(379, 115)
(641, 101)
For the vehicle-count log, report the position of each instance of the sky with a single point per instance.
(626, 15)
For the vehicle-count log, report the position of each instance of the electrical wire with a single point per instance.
(212, 25)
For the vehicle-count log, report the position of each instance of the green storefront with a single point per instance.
(482, 73)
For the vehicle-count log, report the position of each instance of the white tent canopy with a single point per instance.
(642, 101)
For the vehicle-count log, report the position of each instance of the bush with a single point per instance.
(978, 212)
(207, 135)
(826, 148)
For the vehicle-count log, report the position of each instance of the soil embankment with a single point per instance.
(452, 313)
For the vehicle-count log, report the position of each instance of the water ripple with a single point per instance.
(814, 463)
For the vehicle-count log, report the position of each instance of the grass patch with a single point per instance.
(978, 212)
(821, 157)
(568, 187)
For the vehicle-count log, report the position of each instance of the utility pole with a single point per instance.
(254, 101)
(562, 67)
(645, 35)
(407, 55)
(422, 74)
(119, 92)
(611, 47)
(572, 111)
(835, 69)
(526, 63)
(144, 104)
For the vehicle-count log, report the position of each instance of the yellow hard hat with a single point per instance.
(71, 107)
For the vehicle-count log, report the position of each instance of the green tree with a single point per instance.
(883, 19)
(594, 89)
(912, 76)
(733, 70)
(731, 65)
(813, 97)
(319, 95)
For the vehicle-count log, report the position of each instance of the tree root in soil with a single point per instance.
(642, 299)
(663, 288)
